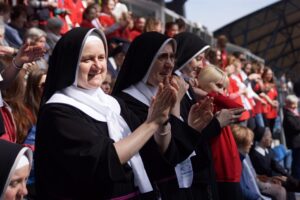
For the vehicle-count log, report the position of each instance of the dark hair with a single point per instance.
(170, 24)
(4, 8)
(87, 10)
(181, 23)
(266, 69)
(17, 11)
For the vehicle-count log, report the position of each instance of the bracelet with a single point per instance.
(168, 131)
(15, 52)
(15, 64)
(166, 122)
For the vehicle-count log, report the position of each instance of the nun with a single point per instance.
(87, 143)
(189, 61)
(15, 165)
(149, 61)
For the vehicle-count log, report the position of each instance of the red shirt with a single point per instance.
(269, 111)
(133, 34)
(225, 153)
(258, 105)
(87, 24)
(107, 21)
(10, 129)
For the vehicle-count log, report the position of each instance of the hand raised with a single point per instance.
(162, 103)
(28, 53)
(229, 116)
(201, 114)
(181, 85)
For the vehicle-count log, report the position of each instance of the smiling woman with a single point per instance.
(87, 143)
(92, 66)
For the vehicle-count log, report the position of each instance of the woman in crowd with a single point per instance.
(190, 61)
(36, 36)
(34, 90)
(14, 96)
(89, 14)
(15, 167)
(84, 146)
(269, 89)
(138, 80)
(189, 54)
(26, 54)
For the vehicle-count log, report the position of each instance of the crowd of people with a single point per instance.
(97, 103)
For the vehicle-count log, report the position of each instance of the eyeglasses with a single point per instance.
(163, 57)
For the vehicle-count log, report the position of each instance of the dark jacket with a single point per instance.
(291, 125)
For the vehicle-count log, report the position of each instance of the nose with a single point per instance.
(169, 64)
(97, 63)
(23, 189)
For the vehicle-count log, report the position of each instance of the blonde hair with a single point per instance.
(210, 74)
(243, 136)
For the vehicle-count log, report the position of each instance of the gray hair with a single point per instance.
(291, 99)
(34, 33)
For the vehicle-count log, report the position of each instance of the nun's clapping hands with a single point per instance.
(163, 102)
(181, 85)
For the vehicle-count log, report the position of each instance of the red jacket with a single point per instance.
(225, 153)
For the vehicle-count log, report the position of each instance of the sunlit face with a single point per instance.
(201, 60)
(111, 5)
(106, 85)
(269, 75)
(92, 66)
(192, 69)
(230, 69)
(16, 189)
(41, 42)
(216, 84)
(140, 24)
(162, 66)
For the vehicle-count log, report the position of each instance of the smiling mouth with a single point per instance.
(164, 73)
